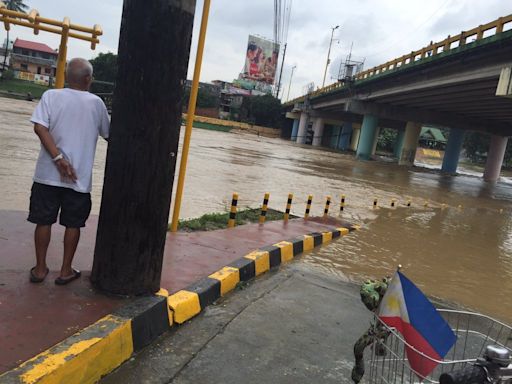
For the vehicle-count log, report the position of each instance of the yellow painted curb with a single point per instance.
(261, 261)
(165, 293)
(184, 305)
(343, 231)
(286, 250)
(309, 243)
(85, 361)
(228, 277)
(326, 237)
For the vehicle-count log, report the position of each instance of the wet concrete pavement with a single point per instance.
(294, 326)
(34, 317)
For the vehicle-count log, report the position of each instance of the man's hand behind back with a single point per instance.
(66, 170)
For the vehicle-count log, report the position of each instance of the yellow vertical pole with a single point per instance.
(327, 204)
(190, 116)
(264, 207)
(288, 207)
(232, 212)
(308, 206)
(342, 203)
(61, 60)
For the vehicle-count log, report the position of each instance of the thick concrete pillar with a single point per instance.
(335, 137)
(495, 156)
(452, 152)
(367, 139)
(346, 133)
(303, 127)
(399, 143)
(318, 131)
(375, 141)
(354, 141)
(410, 143)
(295, 129)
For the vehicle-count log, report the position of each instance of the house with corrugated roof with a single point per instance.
(431, 137)
(31, 60)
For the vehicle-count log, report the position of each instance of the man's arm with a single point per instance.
(64, 167)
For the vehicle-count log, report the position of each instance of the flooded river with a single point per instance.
(458, 247)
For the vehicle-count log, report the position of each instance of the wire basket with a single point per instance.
(388, 361)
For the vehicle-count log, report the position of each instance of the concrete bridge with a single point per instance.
(463, 83)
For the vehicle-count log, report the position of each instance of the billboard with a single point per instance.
(261, 60)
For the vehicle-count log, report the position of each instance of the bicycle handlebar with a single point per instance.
(472, 374)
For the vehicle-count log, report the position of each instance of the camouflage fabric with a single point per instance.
(371, 292)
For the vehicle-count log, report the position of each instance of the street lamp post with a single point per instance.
(290, 85)
(329, 54)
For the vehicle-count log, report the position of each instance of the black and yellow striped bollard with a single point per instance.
(327, 205)
(232, 212)
(342, 203)
(308, 206)
(375, 203)
(264, 207)
(288, 207)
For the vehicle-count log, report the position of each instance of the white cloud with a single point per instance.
(380, 30)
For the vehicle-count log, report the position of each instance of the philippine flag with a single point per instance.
(406, 308)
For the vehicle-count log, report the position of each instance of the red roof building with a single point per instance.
(33, 46)
(29, 58)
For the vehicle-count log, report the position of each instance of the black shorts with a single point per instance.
(47, 200)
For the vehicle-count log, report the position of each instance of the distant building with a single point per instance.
(431, 137)
(33, 61)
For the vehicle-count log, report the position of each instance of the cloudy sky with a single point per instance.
(379, 30)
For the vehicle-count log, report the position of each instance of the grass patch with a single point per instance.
(211, 127)
(23, 87)
(213, 221)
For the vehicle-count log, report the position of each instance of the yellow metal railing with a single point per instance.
(432, 49)
(63, 28)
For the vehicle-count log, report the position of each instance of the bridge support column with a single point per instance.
(354, 141)
(345, 134)
(399, 143)
(303, 126)
(295, 129)
(367, 138)
(318, 131)
(410, 143)
(452, 152)
(495, 157)
(375, 141)
(335, 136)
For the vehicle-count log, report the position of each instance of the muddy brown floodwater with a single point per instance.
(458, 248)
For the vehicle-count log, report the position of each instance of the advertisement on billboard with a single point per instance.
(261, 60)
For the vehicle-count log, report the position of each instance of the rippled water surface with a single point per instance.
(459, 247)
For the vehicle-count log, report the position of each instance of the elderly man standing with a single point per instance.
(68, 122)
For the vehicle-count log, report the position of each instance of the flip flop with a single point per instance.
(35, 279)
(63, 281)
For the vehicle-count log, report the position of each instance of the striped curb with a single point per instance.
(97, 350)
(190, 301)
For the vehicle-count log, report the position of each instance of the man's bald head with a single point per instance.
(79, 73)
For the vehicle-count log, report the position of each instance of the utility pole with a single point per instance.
(290, 85)
(281, 72)
(329, 54)
(154, 46)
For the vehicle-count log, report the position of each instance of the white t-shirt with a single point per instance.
(75, 119)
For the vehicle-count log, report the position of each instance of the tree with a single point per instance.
(105, 67)
(262, 110)
(205, 98)
(13, 5)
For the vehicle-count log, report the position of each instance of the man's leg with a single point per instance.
(71, 237)
(42, 236)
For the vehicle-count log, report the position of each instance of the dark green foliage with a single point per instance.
(476, 145)
(23, 87)
(8, 75)
(262, 110)
(205, 98)
(16, 5)
(387, 139)
(105, 67)
(213, 221)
